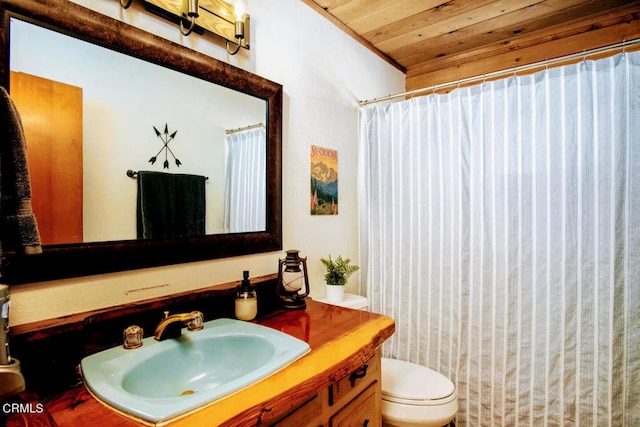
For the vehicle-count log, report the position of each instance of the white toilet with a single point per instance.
(412, 395)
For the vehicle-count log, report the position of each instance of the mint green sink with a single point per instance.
(164, 379)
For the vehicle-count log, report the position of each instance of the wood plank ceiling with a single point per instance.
(438, 41)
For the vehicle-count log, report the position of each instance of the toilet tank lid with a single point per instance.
(406, 380)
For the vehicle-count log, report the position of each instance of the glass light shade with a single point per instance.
(240, 10)
(292, 281)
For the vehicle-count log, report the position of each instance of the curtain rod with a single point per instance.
(622, 45)
(257, 125)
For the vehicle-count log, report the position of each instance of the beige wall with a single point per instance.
(324, 73)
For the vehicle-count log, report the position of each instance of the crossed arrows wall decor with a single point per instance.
(166, 139)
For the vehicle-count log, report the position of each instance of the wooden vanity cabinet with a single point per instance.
(329, 386)
(353, 400)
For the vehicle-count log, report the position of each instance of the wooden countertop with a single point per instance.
(341, 340)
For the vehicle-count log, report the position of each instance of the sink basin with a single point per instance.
(164, 379)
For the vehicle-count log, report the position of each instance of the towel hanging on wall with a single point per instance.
(18, 226)
(170, 205)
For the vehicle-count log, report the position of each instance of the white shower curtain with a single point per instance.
(500, 228)
(246, 181)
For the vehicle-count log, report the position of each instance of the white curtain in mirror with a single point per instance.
(500, 228)
(245, 186)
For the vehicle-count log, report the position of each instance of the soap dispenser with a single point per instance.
(246, 299)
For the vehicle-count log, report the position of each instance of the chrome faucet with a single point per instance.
(193, 320)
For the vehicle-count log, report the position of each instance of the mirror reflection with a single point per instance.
(87, 125)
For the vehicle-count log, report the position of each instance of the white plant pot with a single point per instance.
(335, 293)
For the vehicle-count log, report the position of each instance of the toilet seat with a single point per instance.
(411, 384)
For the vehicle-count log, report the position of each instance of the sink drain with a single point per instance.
(187, 392)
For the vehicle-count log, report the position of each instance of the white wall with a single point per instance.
(324, 73)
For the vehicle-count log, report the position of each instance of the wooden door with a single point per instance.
(51, 114)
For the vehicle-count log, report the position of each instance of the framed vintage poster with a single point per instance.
(324, 181)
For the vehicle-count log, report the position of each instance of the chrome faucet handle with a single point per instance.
(132, 337)
(197, 323)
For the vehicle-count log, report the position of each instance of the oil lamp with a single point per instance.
(292, 280)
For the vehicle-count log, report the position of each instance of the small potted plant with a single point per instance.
(337, 274)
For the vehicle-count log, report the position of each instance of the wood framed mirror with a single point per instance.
(66, 260)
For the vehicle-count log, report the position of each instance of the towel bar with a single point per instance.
(133, 174)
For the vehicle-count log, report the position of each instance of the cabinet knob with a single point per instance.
(365, 423)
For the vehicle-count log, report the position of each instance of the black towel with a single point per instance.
(18, 226)
(170, 205)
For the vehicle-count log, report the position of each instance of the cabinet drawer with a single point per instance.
(353, 384)
(363, 411)
(304, 415)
